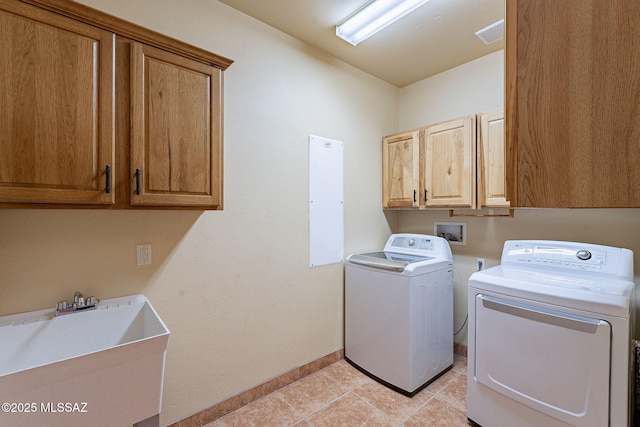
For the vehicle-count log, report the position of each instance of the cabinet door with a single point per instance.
(573, 121)
(400, 170)
(176, 138)
(449, 172)
(56, 123)
(491, 160)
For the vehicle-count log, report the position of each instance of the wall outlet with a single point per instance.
(480, 264)
(143, 254)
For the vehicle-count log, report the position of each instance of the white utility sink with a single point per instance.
(103, 367)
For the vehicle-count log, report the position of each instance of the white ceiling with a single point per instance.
(436, 37)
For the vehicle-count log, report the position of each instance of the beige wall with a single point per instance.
(474, 87)
(471, 88)
(234, 287)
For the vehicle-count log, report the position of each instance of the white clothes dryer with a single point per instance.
(550, 337)
(399, 311)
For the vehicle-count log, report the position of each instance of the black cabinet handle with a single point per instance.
(425, 194)
(414, 196)
(138, 172)
(107, 172)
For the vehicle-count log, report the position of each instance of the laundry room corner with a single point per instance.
(486, 237)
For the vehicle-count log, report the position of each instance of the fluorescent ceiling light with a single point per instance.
(374, 17)
(492, 33)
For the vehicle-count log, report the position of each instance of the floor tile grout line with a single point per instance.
(419, 408)
(352, 390)
(370, 404)
(453, 379)
(349, 390)
(344, 386)
(349, 386)
(453, 405)
(433, 396)
(321, 372)
(306, 418)
(281, 396)
(325, 406)
(455, 376)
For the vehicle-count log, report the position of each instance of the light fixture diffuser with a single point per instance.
(492, 33)
(374, 17)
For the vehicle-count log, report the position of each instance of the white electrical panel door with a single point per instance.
(326, 204)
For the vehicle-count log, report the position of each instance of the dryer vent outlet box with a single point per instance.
(454, 232)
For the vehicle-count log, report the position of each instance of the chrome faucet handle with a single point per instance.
(79, 304)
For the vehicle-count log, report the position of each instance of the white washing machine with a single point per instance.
(399, 311)
(550, 337)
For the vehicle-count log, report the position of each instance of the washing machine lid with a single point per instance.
(408, 254)
(392, 261)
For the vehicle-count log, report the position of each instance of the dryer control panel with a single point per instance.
(569, 256)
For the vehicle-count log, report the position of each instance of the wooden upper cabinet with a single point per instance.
(56, 119)
(449, 170)
(431, 167)
(92, 105)
(491, 160)
(176, 138)
(400, 170)
(573, 120)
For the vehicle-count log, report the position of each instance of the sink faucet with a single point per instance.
(79, 304)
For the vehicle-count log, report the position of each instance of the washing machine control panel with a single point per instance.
(419, 244)
(411, 242)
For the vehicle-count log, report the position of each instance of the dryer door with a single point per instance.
(551, 361)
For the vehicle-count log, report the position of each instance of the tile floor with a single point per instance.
(340, 395)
